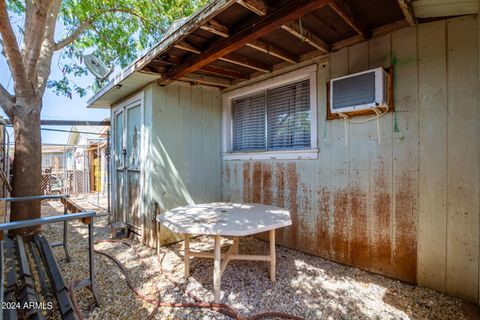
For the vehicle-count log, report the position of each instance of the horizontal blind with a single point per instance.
(288, 116)
(249, 123)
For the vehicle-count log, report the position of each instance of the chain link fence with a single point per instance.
(75, 170)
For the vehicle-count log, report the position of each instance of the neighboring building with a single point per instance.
(53, 159)
(87, 151)
(234, 105)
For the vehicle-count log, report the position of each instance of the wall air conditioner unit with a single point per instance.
(365, 90)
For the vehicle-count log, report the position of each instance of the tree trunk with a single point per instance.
(27, 165)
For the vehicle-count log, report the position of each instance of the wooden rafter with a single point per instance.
(245, 62)
(186, 46)
(257, 6)
(225, 72)
(407, 11)
(216, 27)
(272, 50)
(207, 80)
(259, 45)
(261, 9)
(344, 11)
(232, 58)
(257, 28)
(380, 31)
(300, 32)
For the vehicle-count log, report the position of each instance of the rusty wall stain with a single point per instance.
(352, 225)
(322, 234)
(227, 173)
(235, 172)
(247, 194)
(305, 229)
(280, 184)
(381, 236)
(257, 182)
(359, 238)
(292, 179)
(280, 191)
(405, 252)
(267, 184)
(340, 228)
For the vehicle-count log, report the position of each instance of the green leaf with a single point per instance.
(120, 31)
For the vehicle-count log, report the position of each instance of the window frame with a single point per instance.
(308, 72)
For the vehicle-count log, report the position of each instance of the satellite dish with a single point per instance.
(97, 67)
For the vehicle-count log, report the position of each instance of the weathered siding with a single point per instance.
(408, 207)
(182, 163)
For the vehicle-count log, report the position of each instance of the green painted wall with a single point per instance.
(182, 159)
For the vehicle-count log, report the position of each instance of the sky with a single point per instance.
(59, 107)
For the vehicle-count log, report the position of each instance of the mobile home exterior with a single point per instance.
(397, 195)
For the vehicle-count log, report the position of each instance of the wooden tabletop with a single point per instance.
(227, 219)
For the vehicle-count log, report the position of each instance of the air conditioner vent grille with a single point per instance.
(356, 90)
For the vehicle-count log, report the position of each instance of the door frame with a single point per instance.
(123, 106)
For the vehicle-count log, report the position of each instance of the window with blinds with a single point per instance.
(249, 123)
(275, 119)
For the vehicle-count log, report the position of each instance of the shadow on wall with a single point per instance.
(165, 186)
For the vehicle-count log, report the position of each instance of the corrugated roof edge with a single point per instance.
(202, 15)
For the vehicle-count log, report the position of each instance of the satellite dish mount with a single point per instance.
(98, 68)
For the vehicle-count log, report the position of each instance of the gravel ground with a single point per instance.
(306, 286)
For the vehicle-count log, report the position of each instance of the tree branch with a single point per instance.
(12, 54)
(7, 101)
(87, 23)
(73, 36)
(48, 46)
(36, 34)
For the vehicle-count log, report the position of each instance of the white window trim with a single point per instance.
(309, 72)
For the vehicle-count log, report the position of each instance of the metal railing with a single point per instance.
(85, 216)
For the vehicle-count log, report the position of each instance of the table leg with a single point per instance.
(272, 255)
(216, 271)
(186, 256)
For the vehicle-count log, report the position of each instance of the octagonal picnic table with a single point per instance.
(226, 219)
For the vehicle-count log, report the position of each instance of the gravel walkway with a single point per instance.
(306, 286)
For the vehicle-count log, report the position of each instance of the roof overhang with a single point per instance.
(122, 82)
(230, 42)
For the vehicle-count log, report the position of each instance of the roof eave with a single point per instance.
(188, 26)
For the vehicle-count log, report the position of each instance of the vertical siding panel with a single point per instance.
(267, 183)
(292, 199)
(217, 142)
(382, 216)
(324, 208)
(247, 182)
(257, 182)
(359, 147)
(358, 58)
(463, 159)
(339, 171)
(405, 153)
(184, 137)
(196, 163)
(205, 143)
(433, 150)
